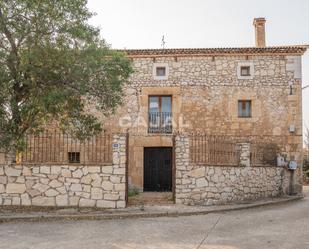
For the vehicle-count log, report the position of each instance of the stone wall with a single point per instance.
(206, 184)
(100, 186)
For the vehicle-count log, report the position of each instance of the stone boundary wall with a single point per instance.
(207, 185)
(101, 186)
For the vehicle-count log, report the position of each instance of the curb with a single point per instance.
(143, 214)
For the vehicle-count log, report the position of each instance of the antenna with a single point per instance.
(163, 42)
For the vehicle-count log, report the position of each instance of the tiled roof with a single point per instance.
(297, 49)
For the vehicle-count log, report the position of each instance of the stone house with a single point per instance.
(205, 124)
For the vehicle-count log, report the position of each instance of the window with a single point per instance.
(160, 114)
(245, 71)
(74, 157)
(160, 71)
(244, 108)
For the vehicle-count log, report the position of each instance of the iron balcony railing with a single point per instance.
(160, 122)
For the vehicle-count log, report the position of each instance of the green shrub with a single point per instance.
(133, 191)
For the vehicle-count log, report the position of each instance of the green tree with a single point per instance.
(53, 64)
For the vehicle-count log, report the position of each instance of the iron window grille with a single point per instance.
(160, 114)
(74, 157)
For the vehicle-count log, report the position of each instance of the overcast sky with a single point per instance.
(203, 23)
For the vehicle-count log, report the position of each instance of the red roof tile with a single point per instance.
(297, 49)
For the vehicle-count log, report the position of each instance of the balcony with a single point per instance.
(160, 122)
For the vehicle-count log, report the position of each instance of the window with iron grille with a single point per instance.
(74, 157)
(244, 108)
(160, 114)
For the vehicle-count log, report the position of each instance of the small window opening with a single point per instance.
(74, 157)
(160, 71)
(245, 71)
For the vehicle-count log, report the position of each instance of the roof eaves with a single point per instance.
(280, 50)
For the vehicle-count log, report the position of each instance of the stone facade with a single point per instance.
(205, 90)
(198, 184)
(101, 186)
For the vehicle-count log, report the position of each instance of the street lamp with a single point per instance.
(305, 87)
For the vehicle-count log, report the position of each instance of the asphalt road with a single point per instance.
(282, 226)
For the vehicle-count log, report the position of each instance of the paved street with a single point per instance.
(282, 226)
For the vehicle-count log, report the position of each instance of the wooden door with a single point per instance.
(158, 169)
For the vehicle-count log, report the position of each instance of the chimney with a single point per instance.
(259, 26)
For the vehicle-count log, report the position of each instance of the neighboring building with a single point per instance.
(206, 124)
